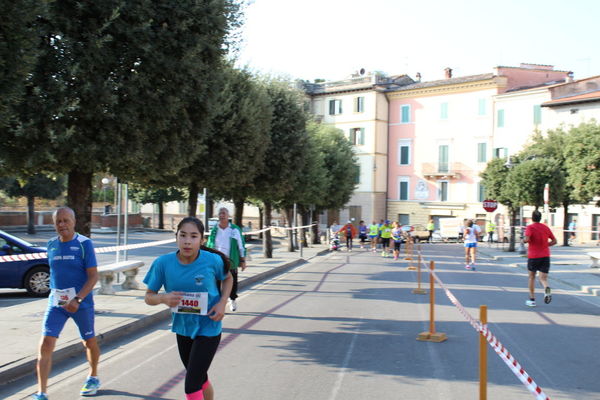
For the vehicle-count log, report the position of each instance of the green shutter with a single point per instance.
(443, 158)
(404, 155)
(405, 114)
(444, 111)
(481, 152)
(500, 122)
(361, 139)
(537, 114)
(481, 106)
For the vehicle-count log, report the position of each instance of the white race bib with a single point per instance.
(192, 303)
(61, 297)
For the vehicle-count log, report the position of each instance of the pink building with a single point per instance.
(441, 136)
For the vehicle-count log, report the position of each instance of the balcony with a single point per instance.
(443, 170)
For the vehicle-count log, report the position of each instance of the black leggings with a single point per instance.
(197, 355)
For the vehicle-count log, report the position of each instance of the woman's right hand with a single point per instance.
(172, 299)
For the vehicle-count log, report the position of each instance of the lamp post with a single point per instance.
(105, 182)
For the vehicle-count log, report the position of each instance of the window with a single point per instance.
(403, 187)
(405, 114)
(357, 136)
(443, 158)
(357, 181)
(537, 114)
(500, 122)
(481, 152)
(359, 104)
(482, 107)
(480, 192)
(404, 152)
(444, 111)
(443, 190)
(403, 219)
(501, 152)
(335, 107)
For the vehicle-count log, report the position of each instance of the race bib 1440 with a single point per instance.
(192, 303)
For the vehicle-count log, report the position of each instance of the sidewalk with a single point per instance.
(568, 265)
(116, 315)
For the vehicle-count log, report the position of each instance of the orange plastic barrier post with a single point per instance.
(419, 290)
(411, 267)
(482, 356)
(432, 335)
(408, 248)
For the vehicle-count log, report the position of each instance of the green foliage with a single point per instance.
(149, 195)
(286, 151)
(18, 52)
(235, 151)
(582, 152)
(341, 167)
(39, 185)
(526, 180)
(494, 178)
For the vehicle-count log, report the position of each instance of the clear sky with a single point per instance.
(330, 39)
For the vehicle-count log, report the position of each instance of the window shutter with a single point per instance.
(362, 136)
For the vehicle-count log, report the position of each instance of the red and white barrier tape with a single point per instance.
(508, 359)
(109, 249)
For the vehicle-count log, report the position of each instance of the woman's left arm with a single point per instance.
(217, 312)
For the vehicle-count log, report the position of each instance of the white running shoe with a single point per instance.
(233, 305)
(530, 303)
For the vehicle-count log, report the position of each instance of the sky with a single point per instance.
(331, 39)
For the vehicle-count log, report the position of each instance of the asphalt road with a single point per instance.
(345, 327)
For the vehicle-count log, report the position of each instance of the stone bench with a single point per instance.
(107, 275)
(595, 256)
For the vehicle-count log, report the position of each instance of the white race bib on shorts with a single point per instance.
(192, 303)
(61, 297)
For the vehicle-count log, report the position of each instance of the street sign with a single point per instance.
(490, 205)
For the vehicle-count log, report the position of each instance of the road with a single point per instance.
(345, 327)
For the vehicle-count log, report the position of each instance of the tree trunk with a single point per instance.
(192, 199)
(315, 229)
(290, 233)
(161, 216)
(209, 208)
(238, 212)
(305, 216)
(79, 198)
(565, 224)
(267, 240)
(260, 222)
(513, 217)
(31, 215)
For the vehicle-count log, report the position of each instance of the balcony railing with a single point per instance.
(443, 170)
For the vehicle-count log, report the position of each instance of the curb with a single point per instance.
(27, 365)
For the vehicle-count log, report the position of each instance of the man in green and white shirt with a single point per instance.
(228, 239)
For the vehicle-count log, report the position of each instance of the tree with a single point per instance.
(552, 145)
(285, 151)
(39, 185)
(526, 180)
(582, 154)
(118, 87)
(341, 166)
(495, 179)
(235, 152)
(18, 53)
(157, 196)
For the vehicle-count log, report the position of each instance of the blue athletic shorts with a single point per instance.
(56, 317)
(470, 244)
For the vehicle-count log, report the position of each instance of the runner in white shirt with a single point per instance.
(471, 235)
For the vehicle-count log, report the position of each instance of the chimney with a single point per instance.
(570, 76)
(448, 72)
(418, 76)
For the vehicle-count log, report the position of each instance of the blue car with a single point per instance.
(33, 275)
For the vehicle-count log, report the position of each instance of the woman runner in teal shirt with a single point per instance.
(189, 277)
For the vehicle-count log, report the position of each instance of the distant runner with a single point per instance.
(540, 238)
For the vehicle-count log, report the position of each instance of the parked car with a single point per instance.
(421, 234)
(33, 275)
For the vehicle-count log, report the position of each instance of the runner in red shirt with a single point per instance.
(540, 238)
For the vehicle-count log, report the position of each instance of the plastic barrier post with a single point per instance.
(411, 267)
(419, 290)
(482, 356)
(432, 335)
